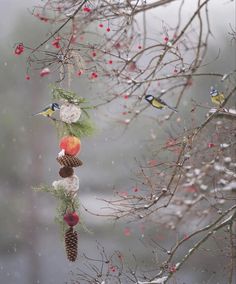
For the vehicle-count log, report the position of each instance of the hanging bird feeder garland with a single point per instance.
(73, 124)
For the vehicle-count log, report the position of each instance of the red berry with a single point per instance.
(27, 77)
(113, 269)
(110, 61)
(186, 237)
(210, 145)
(166, 39)
(173, 269)
(94, 54)
(139, 47)
(94, 75)
(71, 219)
(44, 72)
(100, 25)
(80, 72)
(42, 18)
(86, 9)
(127, 231)
(108, 30)
(117, 45)
(56, 43)
(73, 38)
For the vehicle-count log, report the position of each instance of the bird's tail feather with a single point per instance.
(38, 113)
(172, 108)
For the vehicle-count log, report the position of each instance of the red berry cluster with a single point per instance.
(87, 9)
(94, 75)
(56, 42)
(19, 49)
(41, 18)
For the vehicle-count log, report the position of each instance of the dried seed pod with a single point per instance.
(71, 244)
(69, 161)
(66, 172)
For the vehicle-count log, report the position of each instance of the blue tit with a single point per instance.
(49, 110)
(217, 98)
(158, 103)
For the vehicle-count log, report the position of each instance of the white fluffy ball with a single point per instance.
(71, 184)
(69, 113)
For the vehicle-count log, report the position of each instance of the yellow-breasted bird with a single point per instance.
(49, 110)
(158, 103)
(217, 97)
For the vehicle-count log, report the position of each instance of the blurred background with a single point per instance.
(31, 250)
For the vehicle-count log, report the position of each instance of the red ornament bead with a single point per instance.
(71, 219)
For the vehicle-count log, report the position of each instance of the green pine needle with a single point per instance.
(71, 97)
(79, 129)
(66, 201)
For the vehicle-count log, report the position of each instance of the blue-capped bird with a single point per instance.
(217, 97)
(49, 110)
(158, 103)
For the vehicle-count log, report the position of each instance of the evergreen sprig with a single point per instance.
(79, 129)
(69, 96)
(66, 201)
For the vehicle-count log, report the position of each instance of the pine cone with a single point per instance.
(66, 172)
(69, 161)
(71, 244)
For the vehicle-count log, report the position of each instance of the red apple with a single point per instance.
(71, 145)
(71, 219)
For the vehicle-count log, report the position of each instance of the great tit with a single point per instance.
(158, 103)
(217, 97)
(49, 110)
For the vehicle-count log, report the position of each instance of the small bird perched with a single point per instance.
(158, 103)
(217, 98)
(49, 110)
